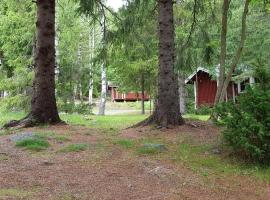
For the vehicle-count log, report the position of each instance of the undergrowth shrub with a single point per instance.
(248, 122)
(203, 110)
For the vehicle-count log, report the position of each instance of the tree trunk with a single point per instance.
(57, 52)
(143, 86)
(79, 73)
(223, 49)
(43, 104)
(91, 67)
(238, 52)
(167, 111)
(102, 103)
(182, 93)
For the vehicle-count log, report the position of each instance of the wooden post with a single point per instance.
(233, 91)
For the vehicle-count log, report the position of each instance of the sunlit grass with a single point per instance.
(34, 144)
(7, 116)
(12, 193)
(112, 123)
(125, 143)
(197, 117)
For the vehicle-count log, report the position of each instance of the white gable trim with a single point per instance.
(195, 72)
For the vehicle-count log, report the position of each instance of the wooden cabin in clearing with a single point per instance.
(118, 96)
(205, 87)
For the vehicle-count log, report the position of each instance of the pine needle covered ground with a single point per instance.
(98, 158)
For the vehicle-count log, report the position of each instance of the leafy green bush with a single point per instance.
(203, 110)
(82, 108)
(248, 123)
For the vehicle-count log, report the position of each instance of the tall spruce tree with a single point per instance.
(43, 103)
(167, 110)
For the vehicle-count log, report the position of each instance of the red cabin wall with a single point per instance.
(130, 96)
(207, 89)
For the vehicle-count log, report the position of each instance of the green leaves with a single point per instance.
(248, 123)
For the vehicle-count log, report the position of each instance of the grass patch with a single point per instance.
(34, 144)
(5, 132)
(198, 158)
(197, 117)
(7, 116)
(151, 148)
(14, 193)
(74, 148)
(108, 124)
(52, 135)
(125, 143)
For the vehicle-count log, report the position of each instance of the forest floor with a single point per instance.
(97, 158)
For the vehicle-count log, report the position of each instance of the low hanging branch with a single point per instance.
(194, 21)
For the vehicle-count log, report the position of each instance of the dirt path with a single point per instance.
(106, 171)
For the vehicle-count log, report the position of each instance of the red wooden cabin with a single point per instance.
(205, 87)
(117, 96)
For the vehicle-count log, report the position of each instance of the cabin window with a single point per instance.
(242, 86)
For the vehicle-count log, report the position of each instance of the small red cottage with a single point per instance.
(129, 96)
(205, 87)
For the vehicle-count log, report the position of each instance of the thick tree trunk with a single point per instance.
(57, 52)
(167, 111)
(143, 92)
(43, 104)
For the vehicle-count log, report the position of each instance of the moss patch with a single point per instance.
(14, 193)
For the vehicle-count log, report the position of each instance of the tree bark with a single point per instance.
(182, 93)
(223, 49)
(238, 53)
(143, 91)
(91, 67)
(167, 111)
(43, 103)
(102, 103)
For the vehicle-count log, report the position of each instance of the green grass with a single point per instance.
(74, 148)
(196, 117)
(34, 144)
(195, 156)
(5, 132)
(125, 143)
(106, 123)
(7, 116)
(199, 159)
(147, 150)
(52, 135)
(12, 193)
